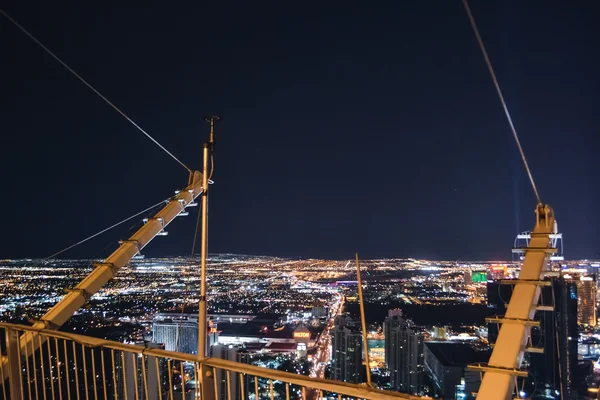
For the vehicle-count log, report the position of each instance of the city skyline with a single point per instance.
(321, 133)
(301, 316)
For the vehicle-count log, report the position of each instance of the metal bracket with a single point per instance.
(112, 266)
(135, 242)
(549, 250)
(552, 273)
(47, 324)
(518, 321)
(539, 350)
(487, 368)
(541, 235)
(159, 219)
(525, 281)
(85, 294)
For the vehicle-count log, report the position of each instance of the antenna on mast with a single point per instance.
(212, 119)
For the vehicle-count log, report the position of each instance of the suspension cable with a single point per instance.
(106, 229)
(92, 88)
(493, 74)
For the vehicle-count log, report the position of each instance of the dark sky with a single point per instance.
(366, 126)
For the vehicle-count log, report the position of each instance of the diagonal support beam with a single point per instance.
(513, 338)
(105, 271)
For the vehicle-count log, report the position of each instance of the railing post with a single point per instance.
(14, 363)
(207, 381)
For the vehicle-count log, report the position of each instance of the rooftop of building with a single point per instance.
(254, 329)
(281, 347)
(456, 354)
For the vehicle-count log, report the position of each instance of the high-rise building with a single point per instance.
(446, 364)
(179, 334)
(228, 390)
(586, 304)
(404, 354)
(347, 351)
(129, 374)
(320, 311)
(343, 320)
(468, 277)
(554, 370)
(395, 311)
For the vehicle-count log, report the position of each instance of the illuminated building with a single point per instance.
(320, 311)
(498, 272)
(468, 277)
(395, 311)
(177, 334)
(440, 332)
(479, 277)
(301, 334)
(212, 336)
(347, 352)
(586, 306)
(403, 354)
(301, 350)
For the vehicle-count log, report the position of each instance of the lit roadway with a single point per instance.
(323, 345)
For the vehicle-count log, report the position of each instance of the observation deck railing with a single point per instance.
(71, 366)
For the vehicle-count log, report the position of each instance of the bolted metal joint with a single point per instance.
(86, 295)
(136, 243)
(111, 266)
(544, 215)
(47, 324)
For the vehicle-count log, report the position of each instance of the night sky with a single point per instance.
(347, 126)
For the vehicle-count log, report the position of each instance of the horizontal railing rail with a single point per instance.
(73, 366)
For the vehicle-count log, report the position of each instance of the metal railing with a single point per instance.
(69, 366)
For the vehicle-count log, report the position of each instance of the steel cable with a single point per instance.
(106, 229)
(92, 88)
(493, 74)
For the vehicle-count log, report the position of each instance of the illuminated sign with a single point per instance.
(302, 335)
(479, 277)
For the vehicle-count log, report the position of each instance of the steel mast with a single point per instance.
(208, 151)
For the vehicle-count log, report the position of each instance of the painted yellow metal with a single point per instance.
(513, 338)
(104, 272)
(359, 391)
